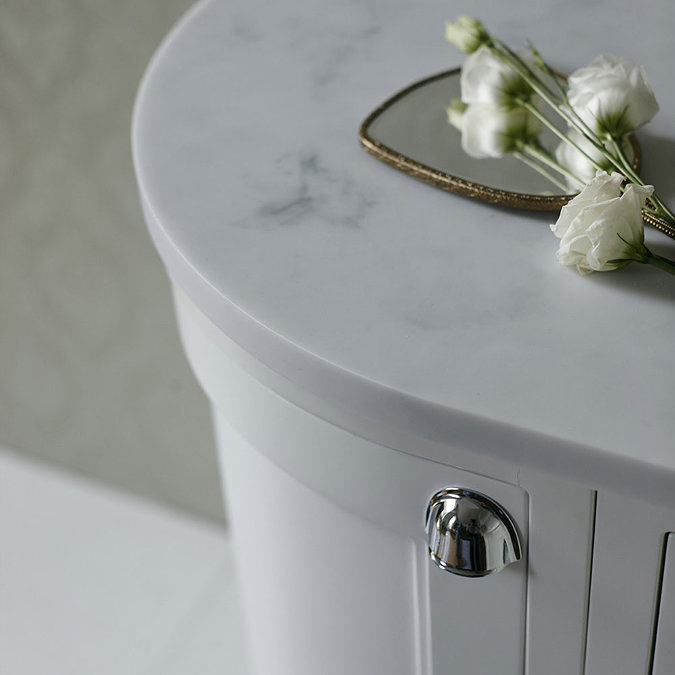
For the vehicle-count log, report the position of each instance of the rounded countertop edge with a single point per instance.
(397, 420)
(162, 47)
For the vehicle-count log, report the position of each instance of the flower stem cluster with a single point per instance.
(507, 99)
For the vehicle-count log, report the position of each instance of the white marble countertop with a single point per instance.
(424, 308)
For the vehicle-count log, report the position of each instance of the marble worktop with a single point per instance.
(424, 309)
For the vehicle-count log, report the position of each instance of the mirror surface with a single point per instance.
(410, 131)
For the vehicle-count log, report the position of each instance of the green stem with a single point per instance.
(541, 169)
(550, 161)
(504, 52)
(663, 211)
(549, 71)
(660, 262)
(532, 109)
(559, 103)
(624, 164)
(658, 207)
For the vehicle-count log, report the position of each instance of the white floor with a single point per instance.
(93, 582)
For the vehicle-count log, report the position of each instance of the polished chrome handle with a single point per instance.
(469, 534)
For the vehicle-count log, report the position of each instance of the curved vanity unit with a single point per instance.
(441, 451)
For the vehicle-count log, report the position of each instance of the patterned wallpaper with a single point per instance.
(92, 376)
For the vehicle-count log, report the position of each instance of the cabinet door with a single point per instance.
(334, 568)
(625, 586)
(559, 560)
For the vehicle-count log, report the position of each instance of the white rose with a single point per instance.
(493, 131)
(579, 163)
(468, 34)
(612, 95)
(601, 228)
(486, 78)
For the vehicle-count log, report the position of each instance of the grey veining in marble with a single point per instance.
(328, 265)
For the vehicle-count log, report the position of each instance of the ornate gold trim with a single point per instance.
(659, 224)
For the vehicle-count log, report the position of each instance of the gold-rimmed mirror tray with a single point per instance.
(410, 132)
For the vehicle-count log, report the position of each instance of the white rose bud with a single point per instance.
(601, 229)
(612, 95)
(466, 33)
(493, 131)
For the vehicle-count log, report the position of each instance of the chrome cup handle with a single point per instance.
(469, 534)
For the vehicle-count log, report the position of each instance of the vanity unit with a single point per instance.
(397, 371)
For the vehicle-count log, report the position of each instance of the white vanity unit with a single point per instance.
(390, 365)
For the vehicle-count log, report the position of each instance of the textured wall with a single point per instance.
(92, 376)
